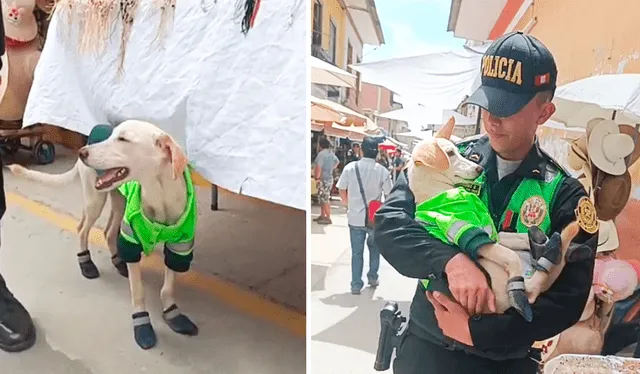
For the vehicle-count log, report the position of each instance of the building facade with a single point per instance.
(340, 29)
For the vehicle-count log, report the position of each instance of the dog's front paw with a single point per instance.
(88, 269)
(178, 322)
(120, 266)
(143, 332)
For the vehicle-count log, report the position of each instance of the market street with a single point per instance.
(344, 328)
(84, 326)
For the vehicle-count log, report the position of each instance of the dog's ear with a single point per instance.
(173, 153)
(446, 131)
(432, 156)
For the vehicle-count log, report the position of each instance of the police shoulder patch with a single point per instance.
(586, 215)
(533, 211)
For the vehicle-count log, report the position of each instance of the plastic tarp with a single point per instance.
(237, 103)
(599, 96)
(436, 80)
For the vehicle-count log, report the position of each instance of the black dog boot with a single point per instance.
(518, 298)
(17, 332)
(87, 267)
(537, 241)
(143, 331)
(578, 252)
(178, 322)
(551, 255)
(120, 266)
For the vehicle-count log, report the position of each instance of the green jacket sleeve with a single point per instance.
(458, 217)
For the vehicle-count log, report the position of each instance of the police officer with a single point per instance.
(523, 186)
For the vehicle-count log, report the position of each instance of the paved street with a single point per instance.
(344, 328)
(84, 326)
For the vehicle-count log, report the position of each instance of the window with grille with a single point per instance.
(316, 38)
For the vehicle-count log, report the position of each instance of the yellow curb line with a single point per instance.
(241, 299)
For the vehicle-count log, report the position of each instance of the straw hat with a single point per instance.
(578, 155)
(630, 130)
(607, 237)
(611, 195)
(19, 21)
(607, 147)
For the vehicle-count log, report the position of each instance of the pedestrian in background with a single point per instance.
(326, 161)
(361, 182)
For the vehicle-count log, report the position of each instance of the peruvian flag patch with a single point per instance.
(543, 79)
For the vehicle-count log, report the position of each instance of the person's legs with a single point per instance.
(374, 260)
(324, 193)
(358, 236)
(17, 332)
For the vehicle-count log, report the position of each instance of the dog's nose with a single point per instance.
(83, 153)
(479, 169)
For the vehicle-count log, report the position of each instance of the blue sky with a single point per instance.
(412, 27)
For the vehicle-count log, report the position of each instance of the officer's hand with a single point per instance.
(452, 318)
(469, 285)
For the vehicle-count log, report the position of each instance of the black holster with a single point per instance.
(391, 323)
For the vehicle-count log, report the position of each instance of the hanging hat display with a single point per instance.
(611, 195)
(631, 131)
(19, 21)
(608, 147)
(607, 237)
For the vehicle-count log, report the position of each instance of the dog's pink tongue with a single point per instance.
(107, 178)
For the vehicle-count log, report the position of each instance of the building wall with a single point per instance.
(588, 37)
(591, 37)
(369, 104)
(351, 37)
(333, 10)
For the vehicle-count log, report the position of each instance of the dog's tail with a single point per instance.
(53, 180)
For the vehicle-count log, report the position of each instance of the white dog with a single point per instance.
(146, 165)
(434, 173)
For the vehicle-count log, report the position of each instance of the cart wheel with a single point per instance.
(44, 152)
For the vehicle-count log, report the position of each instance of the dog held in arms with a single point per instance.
(436, 173)
(144, 173)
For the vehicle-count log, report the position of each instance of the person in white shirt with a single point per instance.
(376, 180)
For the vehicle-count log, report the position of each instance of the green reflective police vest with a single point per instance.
(136, 228)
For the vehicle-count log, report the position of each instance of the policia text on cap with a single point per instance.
(518, 82)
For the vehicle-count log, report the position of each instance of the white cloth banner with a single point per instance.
(436, 80)
(237, 103)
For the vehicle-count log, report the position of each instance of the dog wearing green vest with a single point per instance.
(147, 179)
(446, 188)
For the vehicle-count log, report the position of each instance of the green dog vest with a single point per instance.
(532, 201)
(136, 228)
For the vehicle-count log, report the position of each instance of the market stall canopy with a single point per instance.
(224, 95)
(324, 73)
(440, 79)
(598, 97)
(418, 116)
(346, 115)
